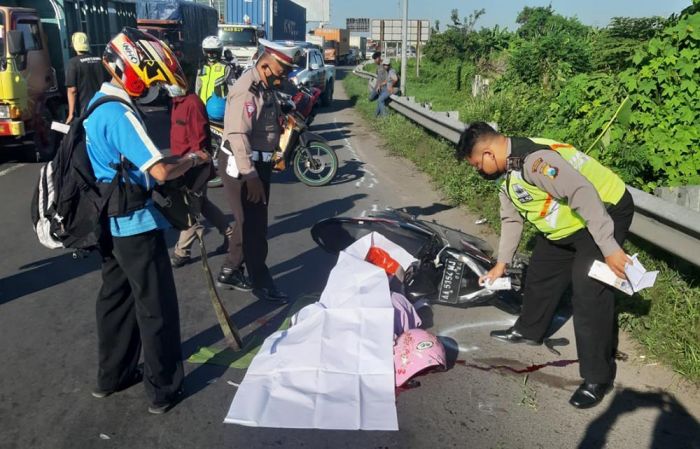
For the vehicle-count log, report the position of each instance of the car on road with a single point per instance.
(314, 72)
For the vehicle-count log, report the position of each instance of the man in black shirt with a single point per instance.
(84, 76)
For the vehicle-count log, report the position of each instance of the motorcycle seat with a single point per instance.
(218, 123)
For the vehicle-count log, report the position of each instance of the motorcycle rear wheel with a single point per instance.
(316, 164)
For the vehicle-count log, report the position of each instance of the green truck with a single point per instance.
(32, 90)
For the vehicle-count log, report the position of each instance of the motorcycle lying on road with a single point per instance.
(449, 262)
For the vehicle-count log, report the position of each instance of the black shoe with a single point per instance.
(589, 395)
(135, 378)
(510, 335)
(271, 294)
(160, 408)
(235, 279)
(179, 261)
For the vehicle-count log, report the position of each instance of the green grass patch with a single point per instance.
(664, 319)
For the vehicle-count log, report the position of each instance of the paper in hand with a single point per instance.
(638, 277)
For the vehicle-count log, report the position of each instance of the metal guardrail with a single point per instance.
(671, 227)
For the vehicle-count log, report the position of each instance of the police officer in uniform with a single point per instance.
(583, 212)
(214, 75)
(252, 128)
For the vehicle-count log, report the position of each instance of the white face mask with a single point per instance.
(174, 90)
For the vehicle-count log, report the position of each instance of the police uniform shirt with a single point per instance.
(566, 184)
(86, 73)
(252, 121)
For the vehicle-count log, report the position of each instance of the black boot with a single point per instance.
(235, 279)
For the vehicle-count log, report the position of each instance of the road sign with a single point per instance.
(389, 30)
(357, 25)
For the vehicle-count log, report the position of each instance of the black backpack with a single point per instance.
(69, 204)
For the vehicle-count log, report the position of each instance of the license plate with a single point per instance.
(451, 280)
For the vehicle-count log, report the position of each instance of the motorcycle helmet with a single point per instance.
(416, 350)
(139, 61)
(212, 48)
(216, 106)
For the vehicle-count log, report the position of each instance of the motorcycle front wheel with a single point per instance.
(315, 164)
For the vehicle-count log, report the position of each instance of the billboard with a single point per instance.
(357, 25)
(316, 10)
(389, 30)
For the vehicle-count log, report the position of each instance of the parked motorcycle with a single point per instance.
(449, 262)
(314, 161)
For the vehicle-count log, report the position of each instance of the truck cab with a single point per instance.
(242, 40)
(27, 79)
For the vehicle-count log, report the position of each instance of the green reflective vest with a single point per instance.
(210, 76)
(551, 216)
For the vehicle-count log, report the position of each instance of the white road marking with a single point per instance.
(11, 169)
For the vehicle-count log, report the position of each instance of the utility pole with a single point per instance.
(404, 45)
(418, 41)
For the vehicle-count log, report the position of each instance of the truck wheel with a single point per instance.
(327, 97)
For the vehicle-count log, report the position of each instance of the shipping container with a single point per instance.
(254, 10)
(182, 24)
(288, 20)
(337, 44)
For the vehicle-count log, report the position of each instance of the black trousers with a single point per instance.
(554, 266)
(137, 309)
(248, 242)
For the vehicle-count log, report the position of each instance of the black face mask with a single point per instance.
(491, 177)
(273, 81)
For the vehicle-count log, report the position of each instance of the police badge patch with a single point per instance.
(549, 171)
(250, 108)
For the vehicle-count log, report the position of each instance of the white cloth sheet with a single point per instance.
(333, 368)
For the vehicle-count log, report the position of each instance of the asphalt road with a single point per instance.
(48, 350)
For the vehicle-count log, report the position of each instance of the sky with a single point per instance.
(502, 12)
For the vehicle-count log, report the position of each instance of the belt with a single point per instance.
(264, 156)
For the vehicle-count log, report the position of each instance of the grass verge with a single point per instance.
(665, 319)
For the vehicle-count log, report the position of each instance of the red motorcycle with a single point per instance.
(305, 101)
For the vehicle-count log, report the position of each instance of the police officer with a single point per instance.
(583, 212)
(252, 128)
(214, 74)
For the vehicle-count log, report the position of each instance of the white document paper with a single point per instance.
(502, 283)
(638, 277)
(334, 367)
(60, 127)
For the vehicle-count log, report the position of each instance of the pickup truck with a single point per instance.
(315, 73)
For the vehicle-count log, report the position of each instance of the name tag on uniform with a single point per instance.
(521, 193)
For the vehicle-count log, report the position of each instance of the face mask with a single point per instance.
(273, 80)
(491, 177)
(174, 90)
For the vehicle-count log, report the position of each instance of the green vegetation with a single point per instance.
(644, 122)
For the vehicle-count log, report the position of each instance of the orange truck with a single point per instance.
(336, 46)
